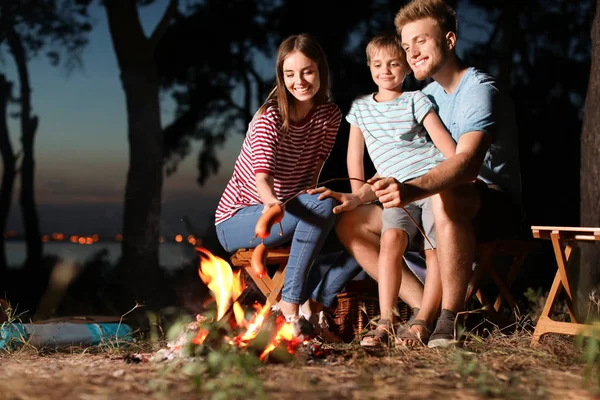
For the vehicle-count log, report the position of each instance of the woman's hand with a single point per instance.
(348, 201)
(269, 205)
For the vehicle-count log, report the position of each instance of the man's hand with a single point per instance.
(390, 192)
(348, 201)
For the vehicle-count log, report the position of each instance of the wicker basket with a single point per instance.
(353, 312)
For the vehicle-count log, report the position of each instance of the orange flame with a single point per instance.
(237, 288)
(200, 336)
(254, 327)
(226, 286)
(222, 282)
(285, 333)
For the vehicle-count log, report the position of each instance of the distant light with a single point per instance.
(73, 238)
(178, 238)
(81, 240)
(119, 237)
(45, 238)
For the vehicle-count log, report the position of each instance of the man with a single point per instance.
(476, 193)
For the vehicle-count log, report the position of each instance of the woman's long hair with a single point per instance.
(307, 45)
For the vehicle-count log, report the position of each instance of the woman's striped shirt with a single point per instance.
(292, 159)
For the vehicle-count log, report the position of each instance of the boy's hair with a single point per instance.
(310, 47)
(389, 41)
(438, 10)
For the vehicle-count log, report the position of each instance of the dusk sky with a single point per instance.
(81, 144)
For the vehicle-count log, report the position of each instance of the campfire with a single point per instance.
(226, 287)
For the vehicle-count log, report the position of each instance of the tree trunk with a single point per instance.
(29, 126)
(589, 277)
(135, 56)
(8, 171)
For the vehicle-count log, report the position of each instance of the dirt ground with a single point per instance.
(503, 367)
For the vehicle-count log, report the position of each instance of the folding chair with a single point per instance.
(488, 255)
(269, 286)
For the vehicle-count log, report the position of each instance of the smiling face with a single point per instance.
(301, 77)
(388, 69)
(427, 48)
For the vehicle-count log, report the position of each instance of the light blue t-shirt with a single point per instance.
(396, 140)
(478, 105)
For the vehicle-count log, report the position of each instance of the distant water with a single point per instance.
(171, 255)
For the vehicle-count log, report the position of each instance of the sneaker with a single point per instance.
(302, 328)
(443, 335)
(320, 323)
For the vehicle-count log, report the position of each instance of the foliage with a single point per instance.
(217, 368)
(471, 369)
(59, 27)
(227, 374)
(12, 335)
(217, 61)
(540, 51)
(26, 28)
(590, 346)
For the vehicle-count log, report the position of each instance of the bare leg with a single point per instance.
(310, 307)
(393, 245)
(359, 231)
(454, 212)
(432, 294)
(432, 297)
(288, 309)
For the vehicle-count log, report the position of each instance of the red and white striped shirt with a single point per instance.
(291, 159)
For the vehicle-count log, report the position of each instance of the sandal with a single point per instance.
(413, 316)
(406, 334)
(379, 336)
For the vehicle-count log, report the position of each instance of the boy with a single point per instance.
(398, 128)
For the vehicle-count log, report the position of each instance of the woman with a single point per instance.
(287, 143)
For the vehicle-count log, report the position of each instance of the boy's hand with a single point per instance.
(389, 191)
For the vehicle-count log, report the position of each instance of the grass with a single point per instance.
(496, 365)
(493, 363)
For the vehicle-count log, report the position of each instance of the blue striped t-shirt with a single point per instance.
(397, 142)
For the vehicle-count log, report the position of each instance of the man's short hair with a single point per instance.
(389, 41)
(438, 10)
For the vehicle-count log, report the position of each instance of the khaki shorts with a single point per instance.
(421, 212)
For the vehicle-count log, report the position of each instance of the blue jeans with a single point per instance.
(333, 269)
(307, 223)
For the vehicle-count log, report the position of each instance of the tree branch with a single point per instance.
(162, 25)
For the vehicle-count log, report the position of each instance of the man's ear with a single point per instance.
(451, 40)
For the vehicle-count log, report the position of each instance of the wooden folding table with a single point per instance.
(564, 241)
